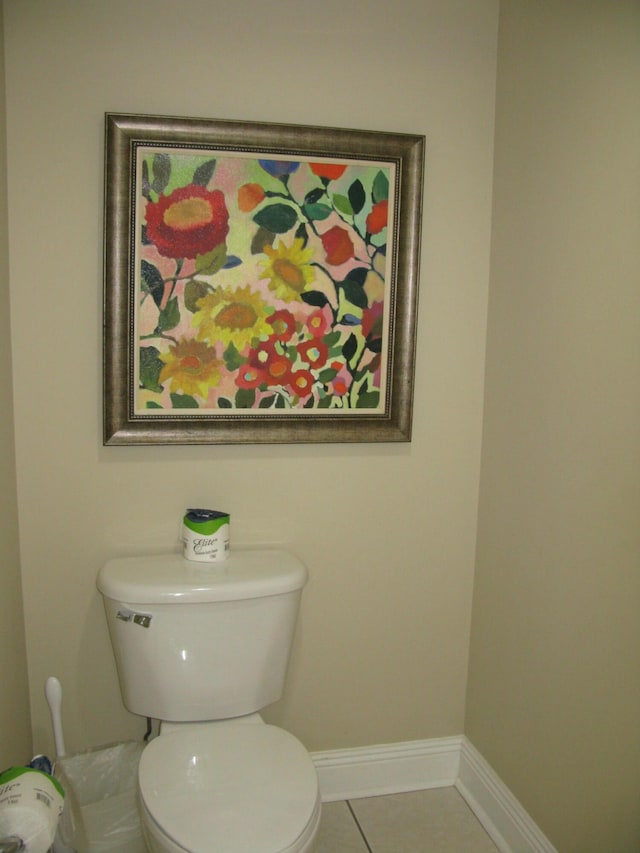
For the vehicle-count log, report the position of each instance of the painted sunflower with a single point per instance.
(288, 269)
(191, 366)
(232, 316)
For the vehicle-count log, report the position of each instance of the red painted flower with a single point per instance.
(377, 219)
(337, 246)
(317, 323)
(249, 376)
(339, 386)
(274, 365)
(330, 171)
(301, 383)
(190, 221)
(372, 320)
(315, 353)
(283, 324)
(341, 383)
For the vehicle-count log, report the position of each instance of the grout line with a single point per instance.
(353, 815)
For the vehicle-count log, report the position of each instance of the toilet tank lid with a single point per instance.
(165, 578)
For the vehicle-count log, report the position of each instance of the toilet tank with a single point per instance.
(202, 641)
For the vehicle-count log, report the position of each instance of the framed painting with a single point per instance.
(261, 282)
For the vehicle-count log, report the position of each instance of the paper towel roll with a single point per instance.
(30, 805)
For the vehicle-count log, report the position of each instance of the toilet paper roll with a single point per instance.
(30, 805)
(205, 535)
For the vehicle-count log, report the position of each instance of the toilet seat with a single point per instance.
(232, 788)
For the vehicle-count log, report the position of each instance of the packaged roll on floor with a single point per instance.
(31, 803)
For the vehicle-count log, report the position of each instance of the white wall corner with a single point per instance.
(510, 827)
(388, 769)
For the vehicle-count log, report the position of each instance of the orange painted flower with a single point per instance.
(330, 171)
(337, 245)
(192, 367)
(249, 197)
(377, 219)
(190, 221)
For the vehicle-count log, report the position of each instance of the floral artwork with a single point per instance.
(262, 283)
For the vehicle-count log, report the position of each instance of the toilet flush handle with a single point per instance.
(127, 615)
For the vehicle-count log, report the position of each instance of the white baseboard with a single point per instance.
(373, 771)
(501, 814)
(388, 769)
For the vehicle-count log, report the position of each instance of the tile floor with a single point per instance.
(437, 821)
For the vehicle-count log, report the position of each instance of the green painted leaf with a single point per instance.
(317, 212)
(355, 293)
(150, 367)
(327, 375)
(169, 316)
(152, 281)
(380, 189)
(263, 237)
(358, 275)
(245, 398)
(278, 218)
(331, 338)
(357, 196)
(314, 196)
(152, 405)
(302, 234)
(315, 298)
(161, 169)
(224, 403)
(349, 347)
(183, 401)
(368, 400)
(342, 204)
(232, 358)
(267, 402)
(204, 173)
(146, 184)
(213, 261)
(193, 291)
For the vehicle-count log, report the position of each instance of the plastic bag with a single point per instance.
(101, 810)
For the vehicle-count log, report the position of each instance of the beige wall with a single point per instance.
(15, 728)
(388, 532)
(554, 685)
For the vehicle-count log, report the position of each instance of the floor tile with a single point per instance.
(438, 821)
(338, 832)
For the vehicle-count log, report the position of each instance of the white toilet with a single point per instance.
(202, 648)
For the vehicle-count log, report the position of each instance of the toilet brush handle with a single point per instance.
(53, 692)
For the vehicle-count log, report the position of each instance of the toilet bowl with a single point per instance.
(203, 648)
(228, 788)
